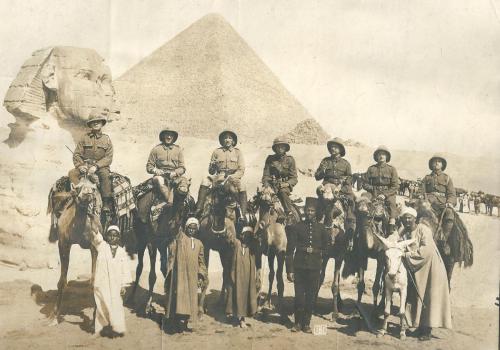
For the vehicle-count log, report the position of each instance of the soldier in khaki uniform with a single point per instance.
(382, 181)
(166, 163)
(226, 161)
(93, 155)
(439, 191)
(337, 170)
(280, 173)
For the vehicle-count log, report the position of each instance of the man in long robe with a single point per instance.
(112, 274)
(185, 270)
(242, 291)
(428, 303)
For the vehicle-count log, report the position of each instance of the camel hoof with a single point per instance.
(149, 309)
(380, 334)
(335, 315)
(201, 315)
(402, 336)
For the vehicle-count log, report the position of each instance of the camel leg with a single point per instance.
(281, 285)
(321, 280)
(336, 289)
(203, 293)
(361, 284)
(152, 278)
(93, 253)
(138, 271)
(270, 263)
(225, 257)
(64, 252)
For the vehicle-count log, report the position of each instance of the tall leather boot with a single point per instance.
(242, 199)
(200, 204)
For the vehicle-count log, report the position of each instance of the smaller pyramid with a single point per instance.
(308, 132)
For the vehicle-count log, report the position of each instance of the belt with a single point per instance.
(381, 187)
(309, 250)
(333, 180)
(440, 194)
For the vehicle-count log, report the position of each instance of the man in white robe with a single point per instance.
(112, 274)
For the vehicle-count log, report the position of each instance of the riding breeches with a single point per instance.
(238, 183)
(306, 285)
(104, 180)
(284, 197)
(390, 203)
(438, 208)
(179, 183)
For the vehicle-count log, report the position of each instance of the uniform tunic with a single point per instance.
(338, 170)
(281, 169)
(383, 179)
(97, 149)
(227, 161)
(335, 170)
(169, 158)
(439, 190)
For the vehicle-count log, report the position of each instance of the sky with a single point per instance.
(413, 75)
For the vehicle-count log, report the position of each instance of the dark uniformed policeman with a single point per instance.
(280, 173)
(337, 170)
(382, 181)
(166, 164)
(439, 191)
(304, 251)
(94, 154)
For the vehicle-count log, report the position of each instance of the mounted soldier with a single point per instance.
(438, 189)
(93, 156)
(383, 183)
(166, 163)
(280, 173)
(337, 170)
(226, 164)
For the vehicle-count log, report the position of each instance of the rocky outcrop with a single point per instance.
(308, 132)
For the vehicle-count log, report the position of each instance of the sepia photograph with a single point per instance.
(250, 174)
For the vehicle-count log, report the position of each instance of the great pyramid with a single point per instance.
(202, 81)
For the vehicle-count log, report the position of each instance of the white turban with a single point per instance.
(409, 210)
(191, 221)
(113, 227)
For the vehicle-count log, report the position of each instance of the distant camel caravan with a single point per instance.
(355, 227)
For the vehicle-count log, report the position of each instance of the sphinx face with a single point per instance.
(61, 83)
(75, 82)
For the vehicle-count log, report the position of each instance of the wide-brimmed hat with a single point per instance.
(382, 149)
(441, 158)
(168, 131)
(95, 116)
(281, 141)
(336, 141)
(233, 135)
